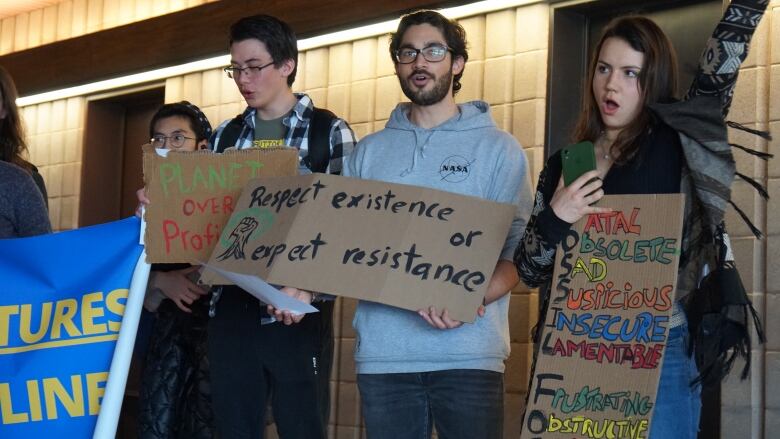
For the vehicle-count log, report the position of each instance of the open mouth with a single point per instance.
(419, 79)
(609, 106)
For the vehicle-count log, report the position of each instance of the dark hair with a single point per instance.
(198, 122)
(454, 36)
(12, 144)
(657, 82)
(278, 37)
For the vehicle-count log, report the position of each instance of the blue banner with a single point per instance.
(62, 298)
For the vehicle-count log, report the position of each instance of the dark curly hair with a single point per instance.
(454, 36)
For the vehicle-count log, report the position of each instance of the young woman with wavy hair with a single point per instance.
(13, 147)
(648, 142)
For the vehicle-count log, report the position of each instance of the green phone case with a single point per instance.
(576, 160)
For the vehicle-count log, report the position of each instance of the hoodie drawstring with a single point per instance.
(419, 145)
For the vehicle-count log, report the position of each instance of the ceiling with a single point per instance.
(12, 7)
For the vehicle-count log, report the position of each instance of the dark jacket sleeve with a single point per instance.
(726, 50)
(535, 254)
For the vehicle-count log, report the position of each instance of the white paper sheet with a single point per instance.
(264, 292)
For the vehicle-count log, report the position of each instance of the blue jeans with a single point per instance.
(461, 403)
(677, 405)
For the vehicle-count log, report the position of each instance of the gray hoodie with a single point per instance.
(467, 155)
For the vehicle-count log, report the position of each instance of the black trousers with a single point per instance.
(251, 363)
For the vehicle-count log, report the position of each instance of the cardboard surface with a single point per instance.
(400, 245)
(607, 323)
(192, 196)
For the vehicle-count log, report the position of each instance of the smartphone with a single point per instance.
(576, 160)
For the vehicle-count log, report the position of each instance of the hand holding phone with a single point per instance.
(570, 203)
(576, 160)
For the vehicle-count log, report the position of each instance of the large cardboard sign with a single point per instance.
(192, 195)
(400, 245)
(603, 339)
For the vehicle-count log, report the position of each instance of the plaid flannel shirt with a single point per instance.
(342, 139)
(298, 137)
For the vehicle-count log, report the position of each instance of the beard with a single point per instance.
(441, 86)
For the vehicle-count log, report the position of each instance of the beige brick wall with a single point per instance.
(73, 18)
(768, 253)
(507, 68)
(54, 135)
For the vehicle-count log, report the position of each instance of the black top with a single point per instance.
(654, 169)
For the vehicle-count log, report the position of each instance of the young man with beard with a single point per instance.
(253, 355)
(424, 369)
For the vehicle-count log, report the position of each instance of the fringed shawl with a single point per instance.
(709, 285)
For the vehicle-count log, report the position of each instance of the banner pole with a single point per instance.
(108, 418)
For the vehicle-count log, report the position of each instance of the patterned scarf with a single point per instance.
(716, 305)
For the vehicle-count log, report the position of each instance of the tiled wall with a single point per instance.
(507, 68)
(54, 135)
(768, 254)
(72, 18)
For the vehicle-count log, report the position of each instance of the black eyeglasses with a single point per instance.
(432, 53)
(250, 71)
(175, 141)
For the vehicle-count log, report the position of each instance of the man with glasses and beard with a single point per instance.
(417, 370)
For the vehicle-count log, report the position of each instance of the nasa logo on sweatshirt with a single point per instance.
(455, 168)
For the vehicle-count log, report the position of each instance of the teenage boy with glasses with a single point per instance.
(257, 352)
(424, 369)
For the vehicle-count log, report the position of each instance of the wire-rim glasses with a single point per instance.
(250, 71)
(431, 53)
(174, 141)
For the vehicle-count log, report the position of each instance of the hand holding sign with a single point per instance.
(143, 201)
(177, 286)
(440, 321)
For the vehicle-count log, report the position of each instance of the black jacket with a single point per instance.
(175, 395)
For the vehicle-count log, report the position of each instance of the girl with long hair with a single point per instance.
(648, 142)
(12, 144)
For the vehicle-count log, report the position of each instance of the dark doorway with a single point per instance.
(112, 171)
(575, 29)
(116, 128)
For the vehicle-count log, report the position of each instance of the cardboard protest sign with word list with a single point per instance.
(395, 244)
(193, 194)
(608, 320)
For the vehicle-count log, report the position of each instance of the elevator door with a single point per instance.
(112, 168)
(576, 28)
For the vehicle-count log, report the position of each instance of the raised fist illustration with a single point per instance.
(238, 239)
